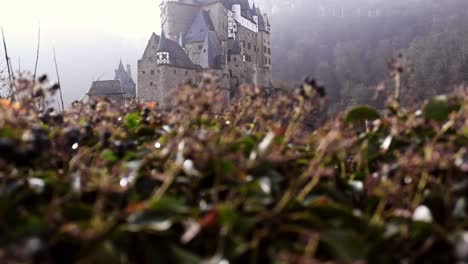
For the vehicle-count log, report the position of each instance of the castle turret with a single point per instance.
(177, 16)
(126, 81)
(129, 71)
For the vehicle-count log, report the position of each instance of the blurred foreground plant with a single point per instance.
(241, 184)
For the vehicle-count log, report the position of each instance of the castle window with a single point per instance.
(186, 72)
(269, 51)
(143, 72)
(175, 71)
(269, 61)
(163, 58)
(235, 59)
(159, 71)
(152, 72)
(230, 73)
(151, 83)
(200, 47)
(249, 45)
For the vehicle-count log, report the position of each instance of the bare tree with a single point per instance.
(4, 90)
(37, 51)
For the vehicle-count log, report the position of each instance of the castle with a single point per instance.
(121, 88)
(229, 39)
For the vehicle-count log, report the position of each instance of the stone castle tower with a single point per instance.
(229, 39)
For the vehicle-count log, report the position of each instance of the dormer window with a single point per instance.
(163, 58)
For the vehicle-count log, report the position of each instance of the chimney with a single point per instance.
(129, 71)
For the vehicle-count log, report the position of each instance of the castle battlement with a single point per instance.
(227, 38)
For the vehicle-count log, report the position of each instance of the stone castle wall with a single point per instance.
(157, 83)
(193, 50)
(219, 17)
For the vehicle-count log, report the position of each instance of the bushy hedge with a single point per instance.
(242, 184)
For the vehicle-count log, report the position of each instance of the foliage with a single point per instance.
(246, 184)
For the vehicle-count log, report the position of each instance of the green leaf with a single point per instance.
(361, 113)
(108, 155)
(345, 245)
(437, 108)
(168, 204)
(227, 214)
(132, 121)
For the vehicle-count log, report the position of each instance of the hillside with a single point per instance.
(348, 45)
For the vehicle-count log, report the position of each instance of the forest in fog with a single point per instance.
(348, 44)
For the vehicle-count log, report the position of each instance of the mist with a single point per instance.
(89, 38)
(347, 45)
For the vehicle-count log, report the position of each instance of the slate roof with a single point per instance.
(163, 43)
(261, 21)
(127, 84)
(110, 89)
(199, 28)
(152, 47)
(177, 56)
(212, 53)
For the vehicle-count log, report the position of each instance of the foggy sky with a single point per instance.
(90, 37)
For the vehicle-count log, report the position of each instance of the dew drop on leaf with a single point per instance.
(75, 146)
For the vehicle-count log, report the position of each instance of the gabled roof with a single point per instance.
(211, 55)
(177, 56)
(152, 46)
(105, 88)
(199, 28)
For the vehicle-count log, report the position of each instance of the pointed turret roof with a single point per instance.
(121, 67)
(163, 43)
(199, 28)
(126, 82)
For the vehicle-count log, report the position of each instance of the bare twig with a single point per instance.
(59, 83)
(37, 51)
(10, 71)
